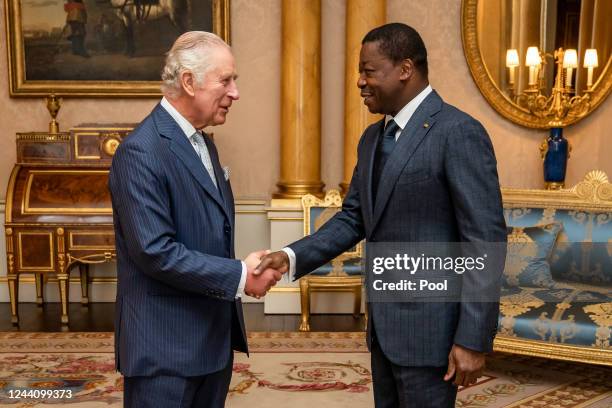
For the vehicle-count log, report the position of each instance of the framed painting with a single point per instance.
(100, 47)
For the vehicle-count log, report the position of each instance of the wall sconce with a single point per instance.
(533, 61)
(512, 61)
(590, 62)
(570, 61)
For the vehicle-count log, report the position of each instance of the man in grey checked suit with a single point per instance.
(425, 173)
(178, 309)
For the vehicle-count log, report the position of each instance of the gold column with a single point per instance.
(361, 17)
(300, 99)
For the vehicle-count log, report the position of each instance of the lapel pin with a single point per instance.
(426, 125)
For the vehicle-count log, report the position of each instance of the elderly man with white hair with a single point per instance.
(178, 309)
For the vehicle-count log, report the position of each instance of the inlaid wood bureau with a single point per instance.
(58, 208)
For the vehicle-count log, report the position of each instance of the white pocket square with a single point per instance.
(226, 172)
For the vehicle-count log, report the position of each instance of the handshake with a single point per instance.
(264, 270)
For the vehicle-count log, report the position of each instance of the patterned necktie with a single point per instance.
(202, 150)
(387, 143)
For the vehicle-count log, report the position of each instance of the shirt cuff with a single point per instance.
(291, 256)
(242, 284)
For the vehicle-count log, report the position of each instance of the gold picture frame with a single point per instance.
(111, 68)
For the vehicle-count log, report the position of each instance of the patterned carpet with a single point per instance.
(285, 369)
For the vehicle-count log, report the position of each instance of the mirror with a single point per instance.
(572, 36)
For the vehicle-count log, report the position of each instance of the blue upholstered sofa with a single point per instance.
(557, 294)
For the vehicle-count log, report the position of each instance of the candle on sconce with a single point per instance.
(570, 61)
(533, 61)
(590, 62)
(512, 61)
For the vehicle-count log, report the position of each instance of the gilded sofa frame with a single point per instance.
(594, 193)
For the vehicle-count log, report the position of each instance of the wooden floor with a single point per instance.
(99, 317)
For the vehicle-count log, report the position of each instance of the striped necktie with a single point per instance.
(197, 139)
(385, 147)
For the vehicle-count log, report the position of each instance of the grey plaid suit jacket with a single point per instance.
(440, 184)
(176, 312)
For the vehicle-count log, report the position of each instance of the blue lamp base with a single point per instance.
(555, 151)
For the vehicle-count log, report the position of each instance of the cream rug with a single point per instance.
(285, 369)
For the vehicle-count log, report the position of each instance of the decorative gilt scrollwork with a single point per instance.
(111, 143)
(601, 314)
(332, 199)
(595, 187)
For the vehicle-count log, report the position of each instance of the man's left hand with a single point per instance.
(465, 364)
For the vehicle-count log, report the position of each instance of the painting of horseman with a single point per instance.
(100, 41)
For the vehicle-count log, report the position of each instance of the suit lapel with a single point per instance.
(411, 137)
(370, 143)
(186, 154)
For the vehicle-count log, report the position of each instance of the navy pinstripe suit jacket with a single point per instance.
(440, 184)
(176, 312)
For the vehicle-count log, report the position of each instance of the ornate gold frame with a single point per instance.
(494, 95)
(21, 87)
(594, 193)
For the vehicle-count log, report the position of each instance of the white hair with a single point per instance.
(191, 52)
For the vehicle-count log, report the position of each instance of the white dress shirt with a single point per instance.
(402, 118)
(189, 131)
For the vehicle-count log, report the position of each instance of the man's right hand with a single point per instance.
(278, 260)
(258, 284)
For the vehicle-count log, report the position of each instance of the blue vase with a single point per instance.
(555, 161)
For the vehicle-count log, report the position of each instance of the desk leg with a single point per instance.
(13, 284)
(64, 286)
(12, 277)
(40, 286)
(62, 274)
(84, 271)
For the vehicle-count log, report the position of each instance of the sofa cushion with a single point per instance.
(529, 251)
(583, 252)
(570, 314)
